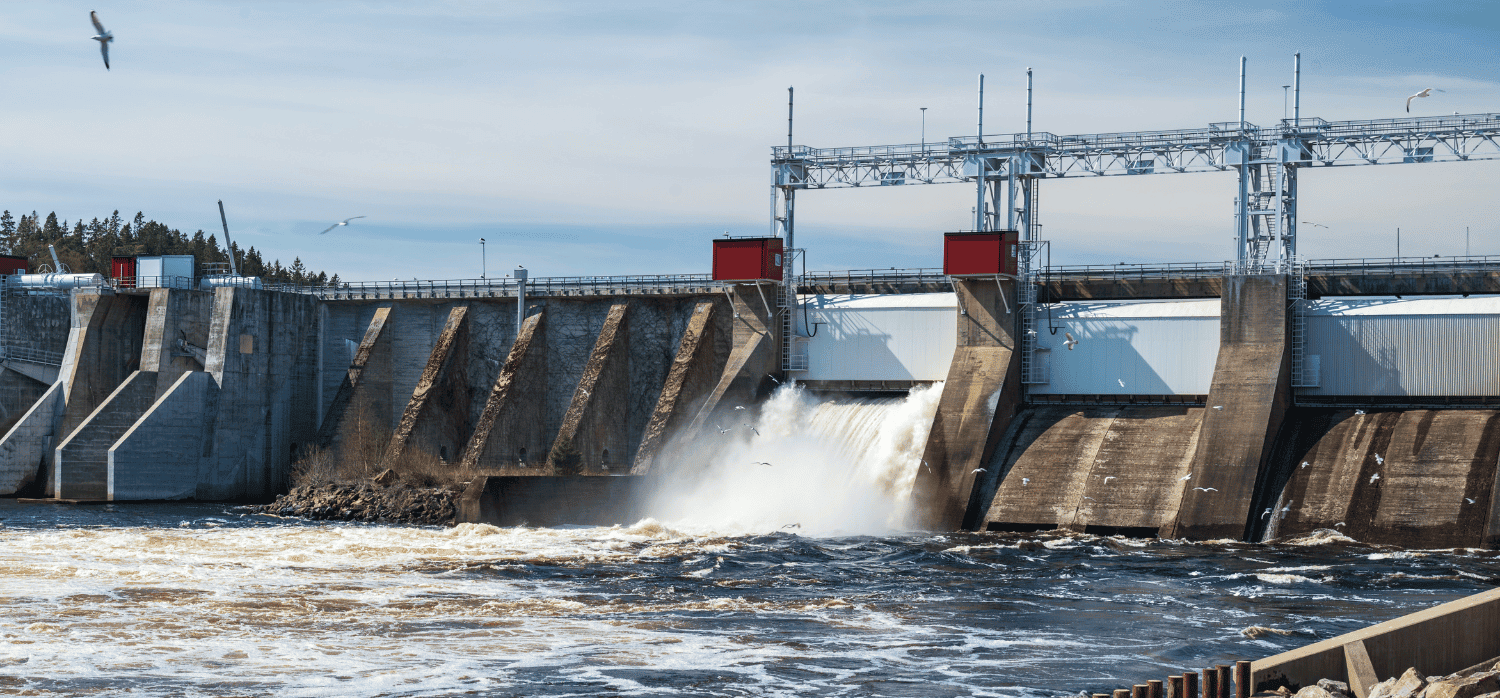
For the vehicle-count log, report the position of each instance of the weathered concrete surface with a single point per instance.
(27, 447)
(505, 500)
(755, 357)
(1247, 402)
(695, 370)
(1414, 478)
(507, 433)
(161, 454)
(982, 393)
(360, 409)
(1099, 470)
(436, 423)
(1432, 281)
(262, 350)
(591, 437)
(81, 462)
(104, 348)
(176, 333)
(1051, 290)
(1436, 641)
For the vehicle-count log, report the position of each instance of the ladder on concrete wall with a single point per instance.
(1303, 374)
(1027, 262)
(793, 350)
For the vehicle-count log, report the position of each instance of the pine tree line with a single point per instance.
(88, 247)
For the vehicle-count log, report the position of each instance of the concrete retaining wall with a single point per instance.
(26, 449)
(159, 457)
(552, 500)
(81, 461)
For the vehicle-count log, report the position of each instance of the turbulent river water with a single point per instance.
(210, 600)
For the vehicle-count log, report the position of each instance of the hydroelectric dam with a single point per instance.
(1266, 396)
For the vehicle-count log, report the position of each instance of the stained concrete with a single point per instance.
(981, 394)
(104, 347)
(755, 358)
(436, 421)
(1247, 402)
(592, 424)
(160, 456)
(26, 448)
(359, 411)
(1436, 469)
(695, 370)
(262, 351)
(81, 461)
(501, 500)
(1100, 470)
(176, 333)
(507, 434)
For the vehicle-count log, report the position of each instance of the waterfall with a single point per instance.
(821, 464)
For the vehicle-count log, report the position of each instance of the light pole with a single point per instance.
(924, 128)
(482, 265)
(1284, 89)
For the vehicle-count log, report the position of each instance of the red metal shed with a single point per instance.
(980, 254)
(11, 264)
(123, 270)
(747, 259)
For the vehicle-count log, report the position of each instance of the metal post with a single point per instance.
(1028, 105)
(520, 275)
(924, 129)
(1242, 93)
(483, 264)
(1398, 243)
(1296, 87)
(979, 163)
(788, 189)
(227, 245)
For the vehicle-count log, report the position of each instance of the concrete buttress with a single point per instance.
(693, 375)
(755, 356)
(355, 424)
(176, 334)
(980, 396)
(1247, 403)
(160, 456)
(81, 461)
(508, 432)
(591, 440)
(435, 423)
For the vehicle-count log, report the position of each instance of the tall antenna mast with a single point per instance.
(1028, 105)
(1242, 93)
(789, 242)
(228, 246)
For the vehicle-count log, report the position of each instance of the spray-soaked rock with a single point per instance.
(365, 501)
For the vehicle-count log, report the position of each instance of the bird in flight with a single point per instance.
(103, 37)
(1265, 513)
(1107, 478)
(760, 463)
(1304, 464)
(795, 525)
(1466, 499)
(1379, 460)
(1359, 412)
(335, 225)
(1340, 524)
(1374, 477)
(1315, 225)
(1424, 93)
(1070, 342)
(977, 471)
(739, 407)
(1025, 481)
(1218, 407)
(757, 431)
(1186, 477)
(722, 430)
(1207, 489)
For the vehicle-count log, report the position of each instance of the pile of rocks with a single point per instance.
(1480, 681)
(383, 499)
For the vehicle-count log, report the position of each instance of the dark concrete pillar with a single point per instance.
(435, 424)
(695, 369)
(355, 425)
(1247, 402)
(756, 355)
(176, 334)
(591, 440)
(509, 432)
(980, 396)
(81, 463)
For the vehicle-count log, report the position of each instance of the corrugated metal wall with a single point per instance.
(868, 338)
(1128, 348)
(1422, 347)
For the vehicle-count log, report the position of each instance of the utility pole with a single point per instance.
(483, 266)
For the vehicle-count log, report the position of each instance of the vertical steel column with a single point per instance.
(979, 163)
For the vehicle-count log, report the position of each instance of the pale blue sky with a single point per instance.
(610, 138)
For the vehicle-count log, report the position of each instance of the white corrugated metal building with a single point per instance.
(907, 337)
(1127, 347)
(1418, 346)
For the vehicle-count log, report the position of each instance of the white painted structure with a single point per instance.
(908, 337)
(1420, 346)
(169, 271)
(1127, 347)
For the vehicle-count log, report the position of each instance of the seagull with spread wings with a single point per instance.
(1424, 93)
(103, 37)
(335, 225)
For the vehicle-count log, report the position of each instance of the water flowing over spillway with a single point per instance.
(819, 464)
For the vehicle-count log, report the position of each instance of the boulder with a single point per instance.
(1469, 686)
(1316, 692)
(1408, 685)
(1338, 688)
(386, 478)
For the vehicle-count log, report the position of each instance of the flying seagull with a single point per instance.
(1379, 460)
(1218, 407)
(739, 407)
(1265, 513)
(757, 431)
(1315, 225)
(795, 525)
(1025, 481)
(1107, 478)
(1424, 93)
(1466, 499)
(977, 471)
(759, 462)
(1207, 489)
(103, 37)
(722, 430)
(1340, 524)
(1304, 464)
(335, 225)
(1186, 477)
(1374, 477)
(1070, 342)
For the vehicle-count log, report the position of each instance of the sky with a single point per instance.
(601, 138)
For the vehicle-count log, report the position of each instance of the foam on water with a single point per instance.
(822, 466)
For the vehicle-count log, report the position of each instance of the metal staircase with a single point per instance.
(793, 348)
(1304, 372)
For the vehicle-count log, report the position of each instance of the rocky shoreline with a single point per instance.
(1479, 681)
(374, 501)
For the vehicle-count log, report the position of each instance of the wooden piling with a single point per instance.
(1190, 684)
(1174, 687)
(1225, 679)
(1138, 691)
(1242, 679)
(1210, 683)
(1122, 693)
(1154, 689)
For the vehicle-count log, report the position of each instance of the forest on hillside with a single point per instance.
(88, 247)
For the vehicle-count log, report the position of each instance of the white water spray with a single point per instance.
(822, 466)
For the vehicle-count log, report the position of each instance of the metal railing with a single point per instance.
(536, 286)
(920, 275)
(34, 356)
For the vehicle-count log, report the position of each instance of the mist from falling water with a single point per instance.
(836, 465)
